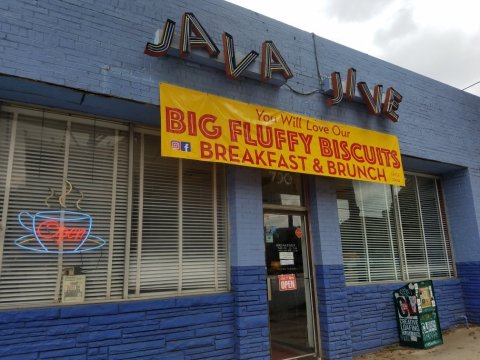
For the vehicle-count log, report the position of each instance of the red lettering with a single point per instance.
(381, 175)
(220, 152)
(336, 151)
(233, 153)
(234, 126)
(325, 148)
(379, 155)
(282, 163)
(248, 134)
(346, 153)
(205, 150)
(372, 173)
(271, 158)
(302, 159)
(370, 154)
(266, 142)
(307, 141)
(396, 162)
(292, 140)
(192, 124)
(331, 167)
(175, 120)
(53, 230)
(259, 157)
(293, 162)
(216, 130)
(354, 147)
(386, 153)
(279, 138)
(247, 157)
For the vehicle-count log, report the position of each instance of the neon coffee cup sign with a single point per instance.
(58, 231)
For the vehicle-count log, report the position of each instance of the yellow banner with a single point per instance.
(201, 126)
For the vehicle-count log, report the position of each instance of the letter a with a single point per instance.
(190, 25)
(272, 61)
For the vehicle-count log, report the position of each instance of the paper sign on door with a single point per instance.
(286, 258)
(287, 282)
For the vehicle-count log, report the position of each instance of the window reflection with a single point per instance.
(282, 188)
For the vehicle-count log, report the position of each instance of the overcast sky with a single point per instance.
(436, 38)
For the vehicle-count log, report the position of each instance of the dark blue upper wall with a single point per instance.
(97, 48)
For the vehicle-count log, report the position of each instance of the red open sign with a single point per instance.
(287, 282)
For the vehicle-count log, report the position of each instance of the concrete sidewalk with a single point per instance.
(460, 343)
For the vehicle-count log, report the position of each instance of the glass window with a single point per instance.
(393, 233)
(179, 234)
(65, 209)
(369, 241)
(282, 188)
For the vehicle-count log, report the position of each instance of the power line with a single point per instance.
(478, 82)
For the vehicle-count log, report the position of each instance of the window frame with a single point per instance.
(446, 236)
(220, 195)
(399, 237)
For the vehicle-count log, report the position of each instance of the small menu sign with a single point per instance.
(73, 289)
(417, 315)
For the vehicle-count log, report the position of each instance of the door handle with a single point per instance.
(269, 290)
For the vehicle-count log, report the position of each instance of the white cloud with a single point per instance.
(436, 38)
(401, 26)
(447, 56)
(355, 11)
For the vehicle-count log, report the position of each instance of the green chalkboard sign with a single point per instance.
(417, 316)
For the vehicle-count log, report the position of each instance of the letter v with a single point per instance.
(373, 102)
(233, 70)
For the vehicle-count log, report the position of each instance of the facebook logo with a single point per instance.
(186, 147)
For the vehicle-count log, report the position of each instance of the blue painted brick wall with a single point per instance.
(469, 273)
(460, 200)
(98, 47)
(333, 310)
(249, 286)
(200, 327)
(372, 313)
(325, 232)
(245, 213)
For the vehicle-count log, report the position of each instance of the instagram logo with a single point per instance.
(176, 145)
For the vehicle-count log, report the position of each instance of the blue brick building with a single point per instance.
(109, 250)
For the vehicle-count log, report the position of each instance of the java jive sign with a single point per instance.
(206, 127)
(273, 66)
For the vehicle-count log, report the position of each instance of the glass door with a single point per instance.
(289, 284)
